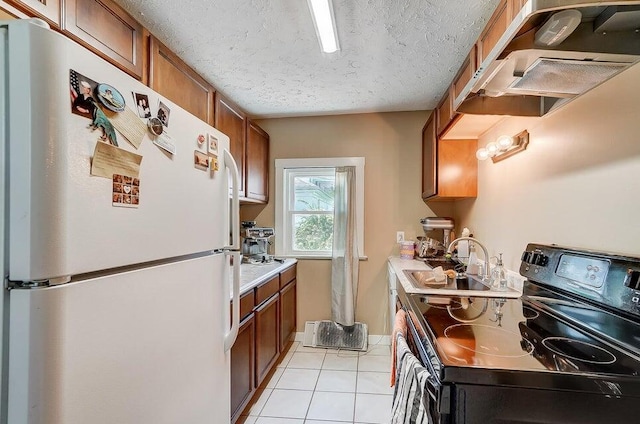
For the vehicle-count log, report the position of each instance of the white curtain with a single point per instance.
(344, 262)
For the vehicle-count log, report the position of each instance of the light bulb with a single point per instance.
(492, 148)
(482, 154)
(504, 142)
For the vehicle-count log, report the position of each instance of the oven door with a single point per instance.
(439, 394)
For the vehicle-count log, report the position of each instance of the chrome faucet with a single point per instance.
(487, 270)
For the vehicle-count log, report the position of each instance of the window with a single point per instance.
(304, 205)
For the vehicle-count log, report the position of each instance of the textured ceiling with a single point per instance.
(396, 55)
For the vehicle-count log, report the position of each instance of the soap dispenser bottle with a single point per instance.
(463, 247)
(473, 266)
(499, 276)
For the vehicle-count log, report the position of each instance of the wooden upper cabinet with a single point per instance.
(465, 74)
(445, 112)
(107, 29)
(449, 167)
(429, 155)
(175, 80)
(516, 5)
(496, 26)
(504, 14)
(49, 10)
(457, 169)
(257, 154)
(231, 120)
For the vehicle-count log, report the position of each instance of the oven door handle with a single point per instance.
(432, 381)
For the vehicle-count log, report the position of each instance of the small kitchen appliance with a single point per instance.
(432, 223)
(568, 351)
(255, 243)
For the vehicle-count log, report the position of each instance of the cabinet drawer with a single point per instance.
(247, 302)
(268, 289)
(288, 275)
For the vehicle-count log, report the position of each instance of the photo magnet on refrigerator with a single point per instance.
(126, 191)
(200, 160)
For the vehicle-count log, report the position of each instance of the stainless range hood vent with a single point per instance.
(520, 78)
(565, 77)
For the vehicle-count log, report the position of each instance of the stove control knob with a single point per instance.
(526, 257)
(632, 280)
(540, 259)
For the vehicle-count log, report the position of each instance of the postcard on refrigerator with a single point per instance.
(108, 160)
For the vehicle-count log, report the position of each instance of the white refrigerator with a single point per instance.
(115, 306)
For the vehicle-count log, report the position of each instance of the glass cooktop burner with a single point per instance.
(579, 351)
(487, 340)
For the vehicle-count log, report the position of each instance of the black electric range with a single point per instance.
(568, 351)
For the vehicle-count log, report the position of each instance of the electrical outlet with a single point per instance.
(399, 236)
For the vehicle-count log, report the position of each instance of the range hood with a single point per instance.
(525, 77)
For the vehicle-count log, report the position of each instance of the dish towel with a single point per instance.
(410, 397)
(399, 327)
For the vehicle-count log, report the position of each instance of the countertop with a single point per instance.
(251, 275)
(399, 265)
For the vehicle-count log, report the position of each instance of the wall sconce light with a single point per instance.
(504, 147)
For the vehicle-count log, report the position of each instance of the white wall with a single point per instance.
(577, 184)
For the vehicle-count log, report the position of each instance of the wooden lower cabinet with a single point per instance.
(287, 313)
(268, 315)
(267, 340)
(242, 367)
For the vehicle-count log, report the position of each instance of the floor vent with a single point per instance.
(331, 335)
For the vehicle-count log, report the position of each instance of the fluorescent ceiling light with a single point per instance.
(322, 13)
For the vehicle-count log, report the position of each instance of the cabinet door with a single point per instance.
(108, 30)
(457, 168)
(465, 74)
(48, 10)
(445, 113)
(171, 77)
(496, 26)
(242, 371)
(429, 159)
(267, 342)
(287, 313)
(257, 180)
(231, 120)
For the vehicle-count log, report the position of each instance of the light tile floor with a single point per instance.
(324, 386)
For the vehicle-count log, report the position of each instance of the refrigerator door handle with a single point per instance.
(230, 164)
(230, 337)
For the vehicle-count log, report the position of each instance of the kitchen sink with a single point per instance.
(421, 280)
(445, 263)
